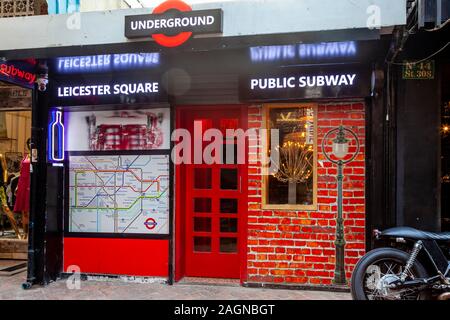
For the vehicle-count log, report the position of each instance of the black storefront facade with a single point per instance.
(202, 73)
(418, 125)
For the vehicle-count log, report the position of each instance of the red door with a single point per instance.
(215, 200)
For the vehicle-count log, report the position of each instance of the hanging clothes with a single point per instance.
(23, 188)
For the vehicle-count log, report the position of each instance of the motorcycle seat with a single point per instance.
(411, 233)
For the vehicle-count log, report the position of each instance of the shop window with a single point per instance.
(292, 184)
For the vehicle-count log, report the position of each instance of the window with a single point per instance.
(292, 185)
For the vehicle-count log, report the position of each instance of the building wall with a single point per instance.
(100, 5)
(241, 18)
(297, 247)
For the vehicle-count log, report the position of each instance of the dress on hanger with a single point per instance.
(23, 187)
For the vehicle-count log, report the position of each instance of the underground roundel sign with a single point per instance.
(150, 223)
(173, 23)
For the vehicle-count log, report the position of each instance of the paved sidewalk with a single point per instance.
(10, 288)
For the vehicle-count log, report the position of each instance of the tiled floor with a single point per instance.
(10, 288)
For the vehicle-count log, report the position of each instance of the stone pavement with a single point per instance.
(10, 289)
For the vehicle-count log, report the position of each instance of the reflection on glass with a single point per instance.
(203, 178)
(228, 225)
(228, 205)
(293, 183)
(202, 224)
(228, 245)
(202, 244)
(229, 179)
(202, 205)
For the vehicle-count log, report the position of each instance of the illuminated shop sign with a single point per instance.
(306, 83)
(173, 23)
(104, 89)
(56, 137)
(107, 90)
(304, 51)
(18, 72)
(107, 62)
(303, 82)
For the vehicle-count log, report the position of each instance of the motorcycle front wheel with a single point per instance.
(378, 269)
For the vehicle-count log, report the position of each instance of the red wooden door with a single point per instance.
(215, 201)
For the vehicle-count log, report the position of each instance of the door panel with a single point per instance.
(215, 202)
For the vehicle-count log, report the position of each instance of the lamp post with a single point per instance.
(340, 151)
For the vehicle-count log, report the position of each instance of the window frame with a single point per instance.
(265, 167)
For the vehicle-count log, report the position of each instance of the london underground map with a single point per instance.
(126, 194)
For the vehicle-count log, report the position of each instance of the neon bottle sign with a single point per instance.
(56, 137)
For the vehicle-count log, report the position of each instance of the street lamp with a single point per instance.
(340, 150)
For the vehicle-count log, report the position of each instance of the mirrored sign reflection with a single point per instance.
(107, 62)
(304, 51)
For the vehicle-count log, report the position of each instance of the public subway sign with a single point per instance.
(107, 90)
(306, 83)
(173, 23)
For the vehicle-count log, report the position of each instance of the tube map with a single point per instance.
(119, 194)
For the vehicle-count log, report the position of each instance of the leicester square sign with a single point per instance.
(173, 23)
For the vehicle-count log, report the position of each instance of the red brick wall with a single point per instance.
(297, 247)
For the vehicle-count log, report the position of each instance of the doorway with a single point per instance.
(15, 132)
(212, 198)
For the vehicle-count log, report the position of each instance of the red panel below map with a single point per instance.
(133, 257)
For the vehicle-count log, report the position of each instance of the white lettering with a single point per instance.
(311, 81)
(102, 90)
(185, 22)
(332, 80)
(202, 21)
(351, 78)
(303, 82)
(172, 23)
(291, 82)
(254, 83)
(343, 81)
(320, 81)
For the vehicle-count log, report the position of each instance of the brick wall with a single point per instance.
(297, 247)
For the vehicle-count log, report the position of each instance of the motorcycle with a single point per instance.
(408, 264)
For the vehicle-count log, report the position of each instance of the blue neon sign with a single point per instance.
(56, 137)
